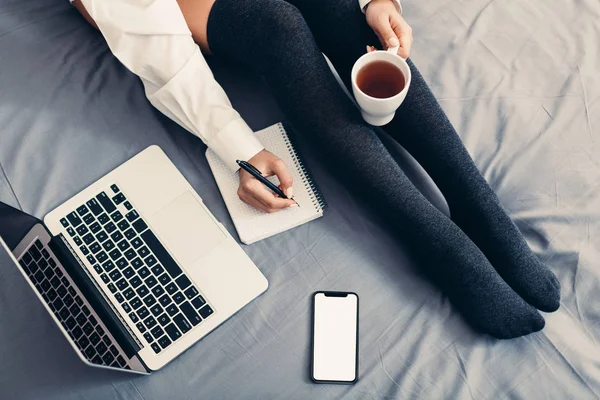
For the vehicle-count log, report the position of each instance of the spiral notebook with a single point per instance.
(253, 225)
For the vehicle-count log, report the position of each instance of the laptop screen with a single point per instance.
(14, 225)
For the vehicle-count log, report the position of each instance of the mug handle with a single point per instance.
(393, 50)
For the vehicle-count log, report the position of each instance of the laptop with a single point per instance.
(134, 269)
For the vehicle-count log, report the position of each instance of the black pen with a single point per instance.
(252, 170)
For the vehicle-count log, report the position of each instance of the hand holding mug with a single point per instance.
(389, 26)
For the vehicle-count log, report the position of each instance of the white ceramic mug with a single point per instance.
(377, 111)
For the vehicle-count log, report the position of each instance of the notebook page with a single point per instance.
(252, 224)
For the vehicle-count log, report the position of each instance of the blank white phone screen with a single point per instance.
(335, 335)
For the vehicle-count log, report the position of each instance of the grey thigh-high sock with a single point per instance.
(272, 37)
(421, 126)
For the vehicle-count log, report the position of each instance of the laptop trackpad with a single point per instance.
(186, 229)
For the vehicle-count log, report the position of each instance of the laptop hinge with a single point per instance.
(101, 305)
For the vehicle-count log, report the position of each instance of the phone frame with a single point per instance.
(312, 348)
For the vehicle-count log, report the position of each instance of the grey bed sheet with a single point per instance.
(519, 79)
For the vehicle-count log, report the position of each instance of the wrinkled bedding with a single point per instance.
(519, 79)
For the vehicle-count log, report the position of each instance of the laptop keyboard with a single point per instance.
(70, 307)
(159, 299)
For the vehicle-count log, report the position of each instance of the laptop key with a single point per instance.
(133, 316)
(98, 269)
(64, 222)
(77, 332)
(94, 322)
(74, 219)
(115, 275)
(135, 303)
(143, 312)
(81, 319)
(115, 254)
(163, 319)
(78, 301)
(164, 300)
(130, 254)
(110, 227)
(95, 227)
(45, 253)
(123, 245)
(108, 245)
(58, 303)
(126, 307)
(121, 361)
(116, 216)
(143, 251)
(82, 230)
(150, 261)
(108, 358)
(122, 284)
(144, 272)
(39, 277)
(198, 302)
(95, 338)
(118, 199)
(137, 242)
(84, 250)
(149, 300)
(123, 225)
(86, 310)
(82, 210)
(64, 313)
(173, 332)
(148, 337)
(112, 288)
(122, 263)
(157, 270)
(116, 236)
(43, 264)
(156, 310)
(103, 219)
(106, 202)
(105, 338)
(55, 282)
(108, 266)
(158, 291)
(157, 332)
(183, 282)
(165, 279)
(182, 323)
(128, 272)
(128, 205)
(101, 348)
(90, 352)
(190, 313)
(142, 291)
(94, 206)
(83, 342)
(150, 322)
(77, 240)
(178, 297)
(129, 293)
(88, 239)
(171, 288)
(70, 231)
(130, 233)
(156, 348)
(88, 328)
(139, 225)
(172, 309)
(137, 262)
(151, 281)
(70, 322)
(164, 342)
(104, 278)
(206, 311)
(94, 247)
(35, 253)
(88, 219)
(191, 292)
(132, 215)
(68, 300)
(135, 281)
(97, 360)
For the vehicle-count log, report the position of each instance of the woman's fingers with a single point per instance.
(254, 193)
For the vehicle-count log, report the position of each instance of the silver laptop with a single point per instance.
(134, 269)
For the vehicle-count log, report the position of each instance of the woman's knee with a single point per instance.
(283, 19)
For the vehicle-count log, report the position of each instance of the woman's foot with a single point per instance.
(484, 220)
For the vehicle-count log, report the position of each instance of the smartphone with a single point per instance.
(335, 337)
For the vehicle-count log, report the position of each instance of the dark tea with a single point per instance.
(380, 79)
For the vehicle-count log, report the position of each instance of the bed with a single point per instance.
(519, 79)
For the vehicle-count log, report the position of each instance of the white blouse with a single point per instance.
(152, 39)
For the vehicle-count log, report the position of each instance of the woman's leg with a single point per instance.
(421, 126)
(271, 37)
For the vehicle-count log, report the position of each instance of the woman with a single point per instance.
(479, 258)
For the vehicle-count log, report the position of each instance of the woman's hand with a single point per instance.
(391, 29)
(254, 193)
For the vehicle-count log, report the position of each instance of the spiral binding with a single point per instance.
(308, 181)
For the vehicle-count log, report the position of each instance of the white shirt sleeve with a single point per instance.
(152, 39)
(364, 3)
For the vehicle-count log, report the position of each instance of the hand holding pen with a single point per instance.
(258, 191)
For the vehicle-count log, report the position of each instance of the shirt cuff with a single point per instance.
(235, 142)
(365, 3)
